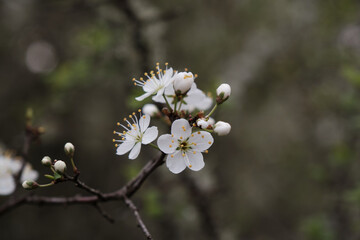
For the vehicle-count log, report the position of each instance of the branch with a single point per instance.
(141, 224)
(103, 212)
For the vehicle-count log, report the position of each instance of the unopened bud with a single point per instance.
(46, 161)
(223, 93)
(69, 149)
(150, 109)
(202, 123)
(29, 185)
(60, 166)
(211, 121)
(222, 128)
(183, 82)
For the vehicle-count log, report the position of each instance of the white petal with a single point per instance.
(7, 184)
(150, 135)
(29, 174)
(135, 151)
(144, 122)
(196, 160)
(158, 98)
(201, 141)
(168, 77)
(181, 129)
(166, 145)
(142, 97)
(175, 163)
(14, 165)
(125, 147)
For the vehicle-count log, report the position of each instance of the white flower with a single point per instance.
(29, 184)
(205, 123)
(183, 147)
(60, 166)
(137, 133)
(224, 89)
(194, 99)
(155, 85)
(211, 121)
(183, 82)
(29, 174)
(46, 161)
(150, 109)
(69, 148)
(222, 128)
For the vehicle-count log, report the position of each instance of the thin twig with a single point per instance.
(141, 223)
(103, 212)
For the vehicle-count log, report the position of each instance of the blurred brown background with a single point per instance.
(288, 170)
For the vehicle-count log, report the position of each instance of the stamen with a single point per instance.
(206, 151)
(209, 142)
(170, 146)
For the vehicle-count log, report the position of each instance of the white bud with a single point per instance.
(69, 149)
(29, 185)
(150, 109)
(211, 121)
(60, 166)
(223, 93)
(46, 161)
(183, 82)
(202, 123)
(222, 128)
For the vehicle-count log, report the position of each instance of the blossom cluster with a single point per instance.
(182, 107)
(10, 167)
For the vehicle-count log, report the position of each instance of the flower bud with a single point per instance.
(69, 149)
(223, 93)
(30, 185)
(60, 166)
(46, 161)
(202, 123)
(222, 128)
(183, 82)
(150, 109)
(211, 121)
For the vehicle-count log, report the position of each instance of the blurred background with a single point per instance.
(288, 170)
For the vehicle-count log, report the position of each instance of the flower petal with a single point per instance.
(196, 160)
(166, 145)
(158, 98)
(125, 147)
(144, 122)
(150, 135)
(201, 141)
(29, 174)
(175, 163)
(181, 129)
(135, 151)
(142, 97)
(168, 77)
(7, 184)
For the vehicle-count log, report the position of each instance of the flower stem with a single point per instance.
(73, 164)
(46, 185)
(154, 146)
(212, 111)
(167, 103)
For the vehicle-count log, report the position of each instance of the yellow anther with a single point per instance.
(186, 69)
(181, 137)
(141, 79)
(198, 132)
(182, 145)
(118, 123)
(133, 79)
(124, 132)
(130, 116)
(133, 113)
(172, 135)
(172, 156)
(134, 83)
(170, 146)
(114, 132)
(116, 145)
(125, 119)
(145, 74)
(122, 138)
(196, 75)
(209, 142)
(133, 125)
(190, 166)
(194, 144)
(187, 76)
(157, 64)
(194, 152)
(139, 110)
(172, 141)
(206, 151)
(194, 124)
(119, 134)
(128, 125)
(144, 117)
(166, 64)
(192, 135)
(183, 154)
(151, 72)
(202, 136)
(113, 140)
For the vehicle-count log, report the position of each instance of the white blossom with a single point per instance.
(222, 128)
(184, 148)
(224, 91)
(183, 82)
(29, 173)
(69, 148)
(46, 161)
(136, 133)
(155, 84)
(205, 123)
(60, 166)
(150, 109)
(194, 99)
